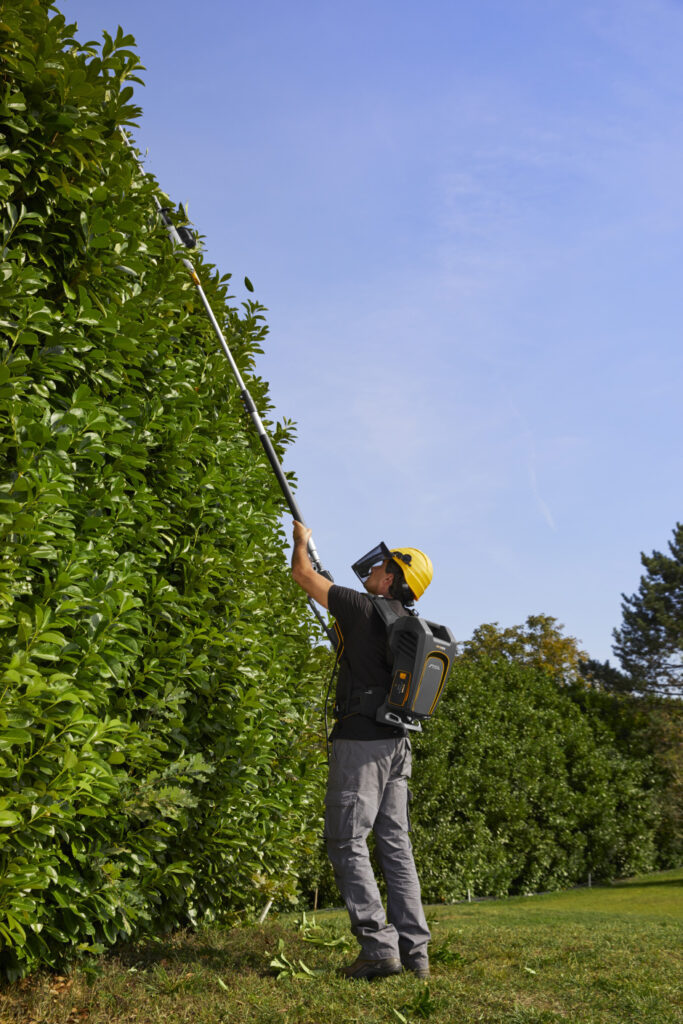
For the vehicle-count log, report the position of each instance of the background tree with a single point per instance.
(649, 644)
(539, 643)
(605, 676)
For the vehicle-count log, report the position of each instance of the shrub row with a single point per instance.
(517, 790)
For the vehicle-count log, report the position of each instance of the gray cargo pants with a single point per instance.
(367, 789)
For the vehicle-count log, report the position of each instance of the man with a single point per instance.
(370, 765)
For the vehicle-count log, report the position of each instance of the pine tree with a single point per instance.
(649, 644)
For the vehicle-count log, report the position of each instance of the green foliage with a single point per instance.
(539, 642)
(604, 676)
(422, 1006)
(647, 729)
(284, 967)
(649, 644)
(155, 703)
(517, 791)
(443, 952)
(322, 935)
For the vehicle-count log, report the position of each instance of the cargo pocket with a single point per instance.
(341, 814)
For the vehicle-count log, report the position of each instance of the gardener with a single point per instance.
(370, 765)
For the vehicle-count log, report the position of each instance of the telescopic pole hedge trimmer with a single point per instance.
(184, 238)
(422, 651)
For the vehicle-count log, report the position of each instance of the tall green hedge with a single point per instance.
(155, 706)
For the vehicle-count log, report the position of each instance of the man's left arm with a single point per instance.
(303, 573)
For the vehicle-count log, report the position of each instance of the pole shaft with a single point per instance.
(247, 400)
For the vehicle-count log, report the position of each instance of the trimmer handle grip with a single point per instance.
(326, 575)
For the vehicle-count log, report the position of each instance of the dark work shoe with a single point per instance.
(362, 968)
(420, 969)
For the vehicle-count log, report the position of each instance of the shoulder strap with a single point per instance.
(384, 610)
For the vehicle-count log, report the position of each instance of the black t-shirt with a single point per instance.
(364, 662)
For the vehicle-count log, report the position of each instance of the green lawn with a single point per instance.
(610, 954)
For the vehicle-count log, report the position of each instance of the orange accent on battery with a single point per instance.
(402, 676)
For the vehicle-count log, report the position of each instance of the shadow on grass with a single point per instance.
(232, 950)
(647, 882)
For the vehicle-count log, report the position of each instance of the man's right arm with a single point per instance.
(303, 573)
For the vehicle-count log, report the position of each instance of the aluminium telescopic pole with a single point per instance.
(247, 400)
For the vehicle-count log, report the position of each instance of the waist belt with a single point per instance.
(363, 702)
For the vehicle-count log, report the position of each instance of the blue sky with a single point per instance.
(466, 221)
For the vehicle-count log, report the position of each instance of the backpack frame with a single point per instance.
(422, 654)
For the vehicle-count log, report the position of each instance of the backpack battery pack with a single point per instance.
(422, 653)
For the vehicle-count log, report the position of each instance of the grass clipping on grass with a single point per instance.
(610, 954)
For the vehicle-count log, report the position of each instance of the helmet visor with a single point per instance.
(364, 565)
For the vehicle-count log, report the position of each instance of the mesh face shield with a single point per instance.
(364, 565)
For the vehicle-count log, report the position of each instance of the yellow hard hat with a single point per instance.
(417, 568)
